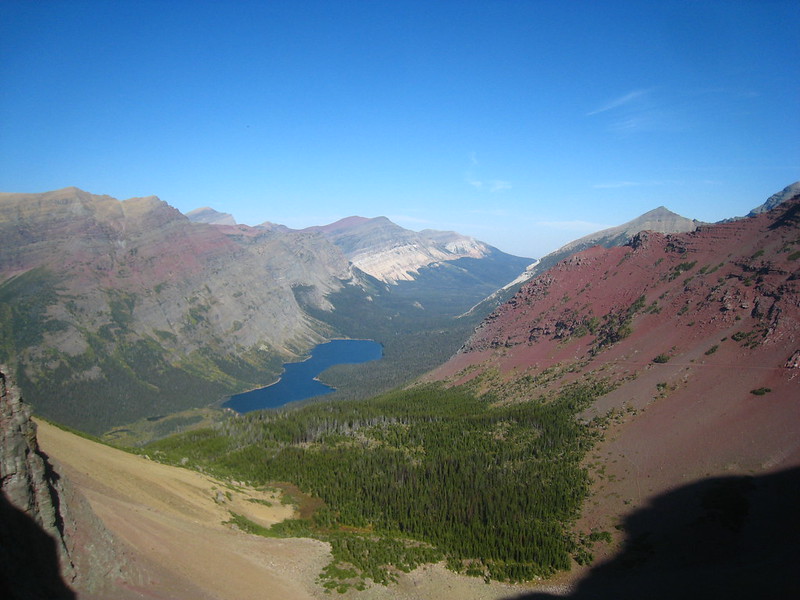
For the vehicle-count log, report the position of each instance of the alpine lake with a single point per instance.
(299, 379)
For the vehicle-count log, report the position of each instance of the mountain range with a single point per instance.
(695, 337)
(391, 254)
(131, 300)
(162, 312)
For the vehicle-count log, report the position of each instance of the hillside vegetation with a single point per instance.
(419, 475)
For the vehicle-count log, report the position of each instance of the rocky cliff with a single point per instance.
(51, 543)
(33, 553)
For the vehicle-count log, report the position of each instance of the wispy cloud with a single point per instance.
(613, 185)
(472, 177)
(497, 212)
(640, 111)
(492, 185)
(580, 226)
(616, 184)
(618, 102)
(498, 185)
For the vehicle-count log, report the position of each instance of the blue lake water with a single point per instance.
(299, 382)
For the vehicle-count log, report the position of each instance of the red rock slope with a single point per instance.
(702, 333)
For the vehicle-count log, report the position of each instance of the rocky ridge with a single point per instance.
(661, 220)
(787, 193)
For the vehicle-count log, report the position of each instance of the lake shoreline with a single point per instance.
(300, 380)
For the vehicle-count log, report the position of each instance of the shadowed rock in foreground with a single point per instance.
(32, 550)
(723, 537)
(51, 543)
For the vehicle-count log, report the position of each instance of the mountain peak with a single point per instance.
(660, 220)
(342, 224)
(661, 211)
(206, 214)
(787, 193)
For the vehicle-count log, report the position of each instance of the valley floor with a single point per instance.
(171, 522)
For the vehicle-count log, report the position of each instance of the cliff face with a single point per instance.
(52, 545)
(33, 554)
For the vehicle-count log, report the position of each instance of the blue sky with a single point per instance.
(523, 123)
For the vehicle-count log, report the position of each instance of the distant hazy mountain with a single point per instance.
(391, 253)
(268, 226)
(209, 215)
(788, 193)
(660, 220)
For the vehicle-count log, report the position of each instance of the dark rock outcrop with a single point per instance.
(51, 543)
(33, 554)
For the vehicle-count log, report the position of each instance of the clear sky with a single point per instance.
(523, 123)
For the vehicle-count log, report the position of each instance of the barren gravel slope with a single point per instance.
(173, 523)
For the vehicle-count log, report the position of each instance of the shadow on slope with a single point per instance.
(29, 565)
(727, 537)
